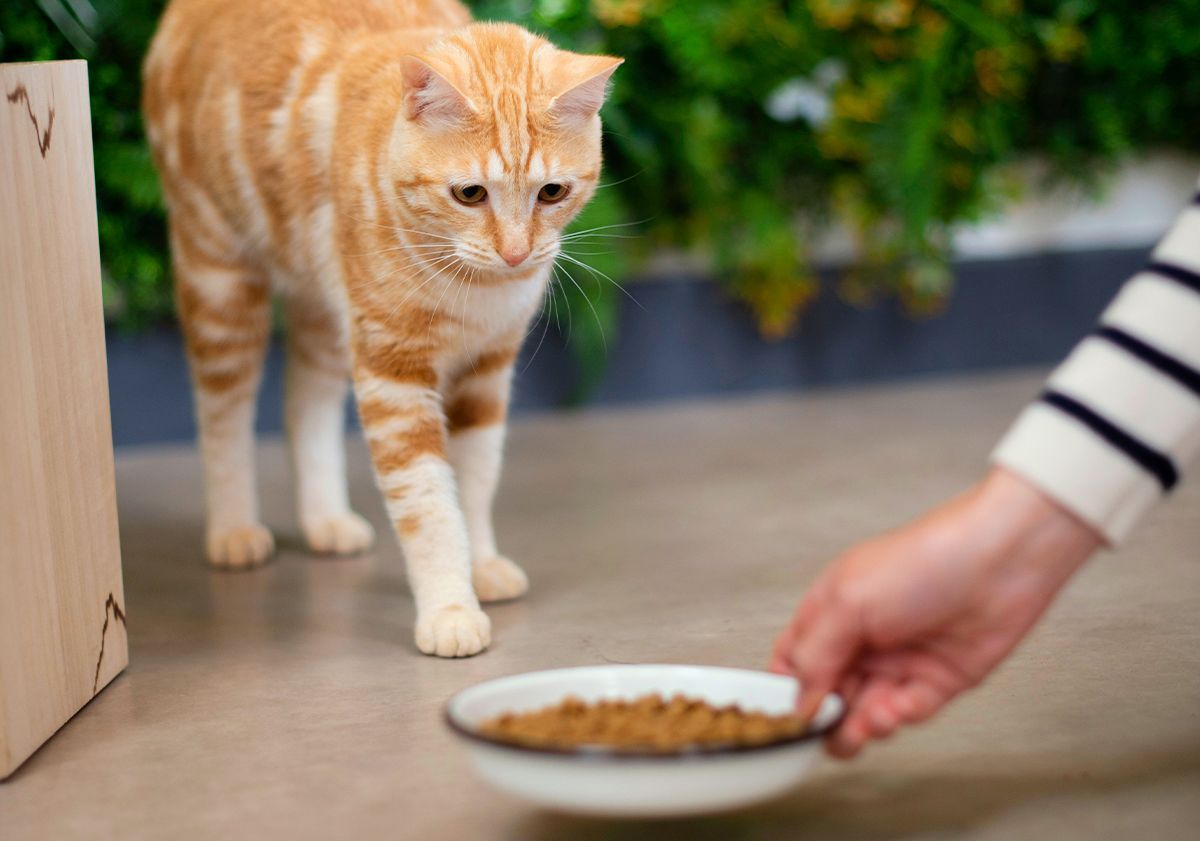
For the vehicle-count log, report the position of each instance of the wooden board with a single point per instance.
(62, 620)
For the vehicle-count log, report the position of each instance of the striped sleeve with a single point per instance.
(1119, 420)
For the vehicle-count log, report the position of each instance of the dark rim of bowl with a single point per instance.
(604, 754)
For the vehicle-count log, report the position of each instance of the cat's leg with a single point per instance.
(316, 383)
(476, 410)
(402, 414)
(224, 309)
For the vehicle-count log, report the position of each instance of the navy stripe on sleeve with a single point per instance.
(1164, 363)
(1149, 459)
(1177, 274)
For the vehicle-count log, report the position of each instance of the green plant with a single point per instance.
(742, 123)
(112, 35)
(737, 126)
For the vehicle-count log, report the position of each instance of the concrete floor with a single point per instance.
(290, 703)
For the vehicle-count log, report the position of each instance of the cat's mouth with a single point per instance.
(499, 269)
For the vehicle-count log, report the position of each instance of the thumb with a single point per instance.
(822, 655)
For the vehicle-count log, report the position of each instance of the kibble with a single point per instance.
(649, 722)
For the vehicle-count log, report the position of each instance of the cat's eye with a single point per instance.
(553, 193)
(469, 194)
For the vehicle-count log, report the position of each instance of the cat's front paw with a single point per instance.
(240, 547)
(454, 631)
(498, 579)
(339, 534)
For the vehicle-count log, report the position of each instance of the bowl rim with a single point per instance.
(606, 754)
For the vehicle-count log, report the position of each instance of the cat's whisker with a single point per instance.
(586, 253)
(599, 274)
(436, 308)
(554, 310)
(392, 312)
(428, 280)
(472, 273)
(420, 233)
(397, 229)
(420, 246)
(451, 282)
(420, 257)
(566, 305)
(420, 253)
(406, 247)
(422, 260)
(354, 218)
(458, 314)
(622, 181)
(382, 225)
(419, 265)
(608, 227)
(533, 356)
(534, 322)
(595, 314)
(599, 239)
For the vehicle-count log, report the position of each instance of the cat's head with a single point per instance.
(497, 147)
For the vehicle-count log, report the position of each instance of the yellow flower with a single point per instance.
(892, 14)
(862, 105)
(885, 47)
(778, 299)
(1064, 41)
(840, 145)
(1003, 73)
(923, 288)
(614, 13)
(834, 14)
(989, 68)
(1002, 8)
(962, 132)
(959, 175)
(931, 30)
(931, 22)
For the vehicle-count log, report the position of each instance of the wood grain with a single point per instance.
(62, 618)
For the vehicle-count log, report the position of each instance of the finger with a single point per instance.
(821, 655)
(869, 716)
(850, 687)
(781, 651)
(916, 701)
(779, 665)
(846, 741)
(874, 707)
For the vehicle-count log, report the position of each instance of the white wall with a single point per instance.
(1134, 208)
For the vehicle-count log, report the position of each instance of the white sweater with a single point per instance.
(1120, 417)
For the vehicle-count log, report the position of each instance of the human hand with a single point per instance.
(903, 623)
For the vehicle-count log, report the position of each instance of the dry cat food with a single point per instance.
(649, 722)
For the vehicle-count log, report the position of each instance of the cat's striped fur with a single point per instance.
(310, 149)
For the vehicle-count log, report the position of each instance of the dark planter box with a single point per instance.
(688, 339)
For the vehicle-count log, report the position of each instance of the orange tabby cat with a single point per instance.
(400, 177)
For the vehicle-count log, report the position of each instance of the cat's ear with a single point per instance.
(584, 82)
(429, 97)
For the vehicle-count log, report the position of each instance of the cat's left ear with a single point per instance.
(586, 82)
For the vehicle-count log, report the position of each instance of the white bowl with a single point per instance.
(600, 781)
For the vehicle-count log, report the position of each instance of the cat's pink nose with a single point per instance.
(515, 256)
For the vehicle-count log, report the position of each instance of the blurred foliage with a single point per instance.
(112, 35)
(741, 127)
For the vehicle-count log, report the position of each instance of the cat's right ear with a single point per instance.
(430, 98)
